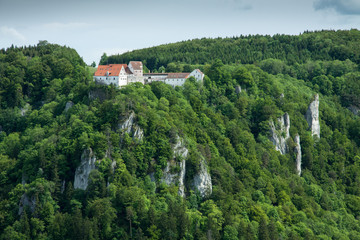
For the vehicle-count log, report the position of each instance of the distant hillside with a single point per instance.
(322, 45)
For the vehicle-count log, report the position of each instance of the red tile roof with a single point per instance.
(155, 74)
(136, 65)
(113, 69)
(178, 75)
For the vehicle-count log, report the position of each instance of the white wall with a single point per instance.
(175, 81)
(199, 76)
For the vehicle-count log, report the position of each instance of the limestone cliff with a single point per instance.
(175, 171)
(202, 180)
(279, 133)
(178, 177)
(312, 116)
(27, 201)
(25, 109)
(68, 105)
(82, 172)
(354, 109)
(298, 154)
(238, 89)
(129, 126)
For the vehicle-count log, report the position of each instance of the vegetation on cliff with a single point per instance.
(257, 193)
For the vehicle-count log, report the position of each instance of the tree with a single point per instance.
(263, 230)
(129, 217)
(103, 59)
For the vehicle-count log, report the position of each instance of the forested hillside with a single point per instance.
(322, 45)
(191, 162)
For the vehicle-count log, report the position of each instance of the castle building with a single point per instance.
(123, 74)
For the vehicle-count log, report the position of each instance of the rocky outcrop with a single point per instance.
(25, 202)
(24, 109)
(238, 89)
(177, 177)
(355, 110)
(175, 171)
(312, 116)
(279, 133)
(202, 180)
(82, 172)
(68, 105)
(62, 186)
(129, 126)
(97, 94)
(298, 154)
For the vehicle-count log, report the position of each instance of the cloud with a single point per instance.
(346, 7)
(12, 33)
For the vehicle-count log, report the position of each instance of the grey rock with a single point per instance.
(129, 126)
(82, 172)
(27, 201)
(279, 133)
(62, 186)
(202, 180)
(24, 109)
(68, 105)
(298, 154)
(312, 117)
(238, 89)
(177, 178)
(355, 110)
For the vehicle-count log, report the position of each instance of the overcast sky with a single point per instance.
(115, 26)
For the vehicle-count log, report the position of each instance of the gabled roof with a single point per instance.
(112, 69)
(128, 71)
(178, 75)
(137, 65)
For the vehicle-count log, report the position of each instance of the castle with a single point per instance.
(123, 74)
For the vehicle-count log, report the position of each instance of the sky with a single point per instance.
(94, 27)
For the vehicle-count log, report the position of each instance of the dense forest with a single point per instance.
(53, 116)
(309, 46)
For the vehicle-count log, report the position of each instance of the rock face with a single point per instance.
(355, 110)
(177, 178)
(25, 201)
(202, 180)
(25, 109)
(238, 89)
(82, 172)
(298, 154)
(312, 117)
(68, 105)
(130, 127)
(279, 133)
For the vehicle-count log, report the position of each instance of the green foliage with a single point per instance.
(257, 193)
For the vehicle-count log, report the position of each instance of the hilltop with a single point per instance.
(320, 45)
